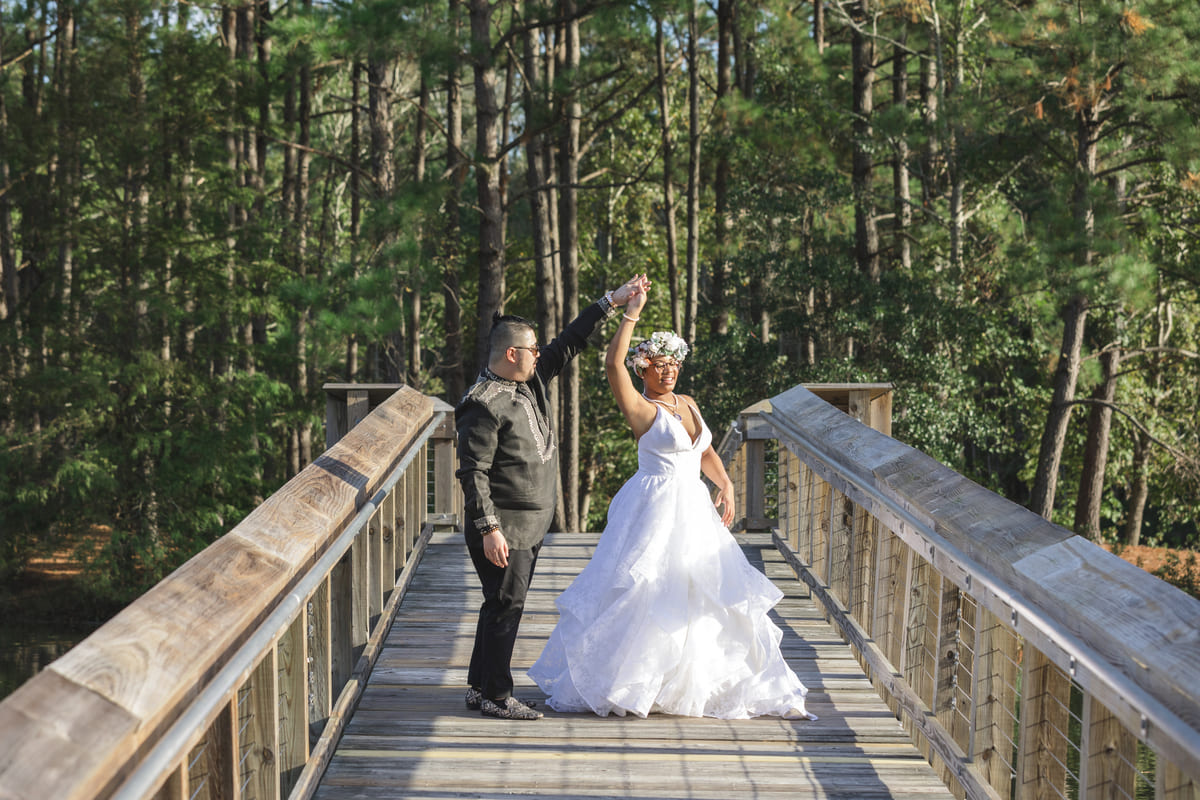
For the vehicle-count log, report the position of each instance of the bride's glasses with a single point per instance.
(665, 365)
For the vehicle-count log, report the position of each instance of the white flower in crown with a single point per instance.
(660, 343)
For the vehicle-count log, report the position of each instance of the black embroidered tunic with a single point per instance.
(507, 450)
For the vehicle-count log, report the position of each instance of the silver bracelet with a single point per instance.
(631, 319)
(607, 305)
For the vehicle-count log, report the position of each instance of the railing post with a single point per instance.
(374, 577)
(1108, 755)
(840, 552)
(755, 484)
(865, 559)
(447, 495)
(292, 655)
(324, 664)
(218, 763)
(1045, 712)
(997, 701)
(360, 600)
(341, 623)
(414, 482)
(347, 404)
(259, 772)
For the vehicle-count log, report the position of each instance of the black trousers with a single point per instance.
(504, 590)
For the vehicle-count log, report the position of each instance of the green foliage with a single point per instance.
(150, 388)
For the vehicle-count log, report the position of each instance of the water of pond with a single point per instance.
(26, 649)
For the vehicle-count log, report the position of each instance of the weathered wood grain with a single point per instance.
(118, 691)
(412, 736)
(1128, 639)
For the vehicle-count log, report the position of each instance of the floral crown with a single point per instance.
(660, 343)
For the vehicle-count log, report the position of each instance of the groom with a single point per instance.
(508, 467)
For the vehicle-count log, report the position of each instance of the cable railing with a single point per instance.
(1025, 662)
(234, 677)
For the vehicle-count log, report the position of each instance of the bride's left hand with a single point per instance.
(637, 285)
(725, 498)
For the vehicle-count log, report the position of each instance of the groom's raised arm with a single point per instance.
(573, 339)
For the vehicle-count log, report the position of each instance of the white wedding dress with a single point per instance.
(668, 616)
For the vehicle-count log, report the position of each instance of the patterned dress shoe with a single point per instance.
(512, 708)
(475, 698)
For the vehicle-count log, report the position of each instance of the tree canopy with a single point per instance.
(208, 211)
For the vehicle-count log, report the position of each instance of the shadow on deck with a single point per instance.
(411, 736)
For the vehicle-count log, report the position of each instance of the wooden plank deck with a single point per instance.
(413, 738)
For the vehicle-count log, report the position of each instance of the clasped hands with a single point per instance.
(637, 286)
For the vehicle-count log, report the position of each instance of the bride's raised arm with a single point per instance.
(638, 411)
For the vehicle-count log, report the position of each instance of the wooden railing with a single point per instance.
(233, 677)
(1026, 662)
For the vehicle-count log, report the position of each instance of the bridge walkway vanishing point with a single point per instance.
(412, 736)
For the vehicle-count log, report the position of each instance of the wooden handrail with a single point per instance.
(1027, 661)
(235, 669)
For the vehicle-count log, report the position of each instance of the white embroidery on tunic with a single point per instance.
(495, 388)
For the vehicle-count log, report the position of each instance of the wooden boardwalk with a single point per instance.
(413, 738)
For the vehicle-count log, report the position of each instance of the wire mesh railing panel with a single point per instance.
(198, 772)
(968, 617)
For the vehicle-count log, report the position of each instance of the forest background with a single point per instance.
(209, 210)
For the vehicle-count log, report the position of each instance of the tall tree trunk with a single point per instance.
(383, 170)
(9, 287)
(301, 225)
(719, 322)
(1059, 416)
(668, 175)
(551, 302)
(352, 342)
(289, 213)
(903, 196)
(692, 307)
(1095, 454)
(818, 24)
(416, 277)
(146, 549)
(36, 216)
(808, 351)
(1139, 490)
(1074, 319)
(957, 174)
(487, 176)
(931, 148)
(568, 239)
(536, 106)
(186, 292)
(251, 175)
(454, 369)
(67, 175)
(866, 232)
(226, 348)
(552, 52)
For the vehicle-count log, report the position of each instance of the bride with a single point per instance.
(668, 616)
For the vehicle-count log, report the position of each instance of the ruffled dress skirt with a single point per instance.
(668, 616)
